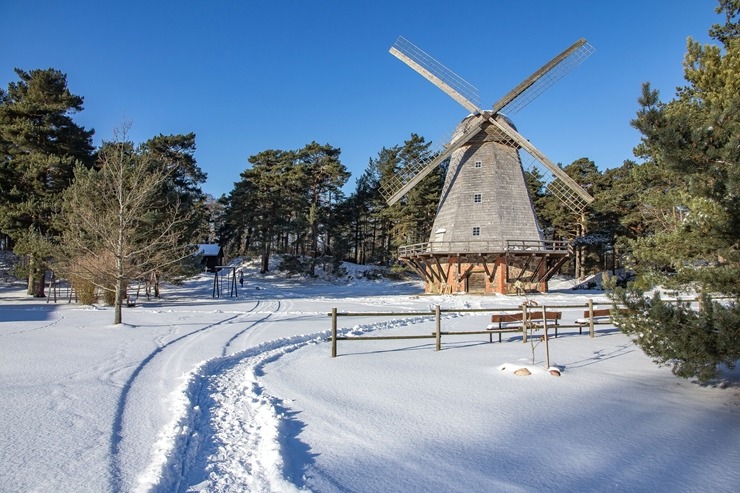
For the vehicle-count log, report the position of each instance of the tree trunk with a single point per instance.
(314, 223)
(581, 251)
(155, 282)
(266, 247)
(36, 279)
(356, 240)
(120, 290)
(265, 264)
(31, 279)
(39, 285)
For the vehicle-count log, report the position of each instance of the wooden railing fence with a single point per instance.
(437, 314)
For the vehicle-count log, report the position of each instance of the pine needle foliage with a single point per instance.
(690, 211)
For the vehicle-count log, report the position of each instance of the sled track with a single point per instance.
(248, 327)
(115, 468)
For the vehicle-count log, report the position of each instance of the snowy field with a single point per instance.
(240, 394)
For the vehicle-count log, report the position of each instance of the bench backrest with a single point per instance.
(506, 317)
(537, 315)
(533, 315)
(601, 312)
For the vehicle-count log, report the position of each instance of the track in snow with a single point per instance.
(232, 436)
(117, 432)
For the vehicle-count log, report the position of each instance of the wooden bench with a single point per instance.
(600, 316)
(512, 322)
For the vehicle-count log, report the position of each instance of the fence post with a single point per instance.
(333, 332)
(591, 317)
(438, 326)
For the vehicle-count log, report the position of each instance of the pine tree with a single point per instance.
(174, 154)
(585, 230)
(325, 175)
(41, 146)
(266, 203)
(359, 210)
(691, 147)
(412, 217)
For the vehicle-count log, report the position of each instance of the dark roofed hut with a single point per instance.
(213, 255)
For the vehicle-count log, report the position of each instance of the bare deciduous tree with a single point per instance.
(116, 227)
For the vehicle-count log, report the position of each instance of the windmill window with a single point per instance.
(478, 164)
(476, 230)
(477, 198)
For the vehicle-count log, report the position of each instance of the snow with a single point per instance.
(240, 394)
(209, 249)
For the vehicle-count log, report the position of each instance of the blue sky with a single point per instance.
(247, 76)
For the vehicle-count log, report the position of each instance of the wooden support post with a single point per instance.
(333, 332)
(525, 323)
(438, 326)
(591, 317)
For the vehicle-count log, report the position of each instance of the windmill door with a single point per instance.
(477, 283)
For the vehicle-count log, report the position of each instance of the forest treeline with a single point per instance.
(105, 217)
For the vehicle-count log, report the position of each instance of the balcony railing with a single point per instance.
(480, 247)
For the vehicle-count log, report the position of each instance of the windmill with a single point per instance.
(486, 237)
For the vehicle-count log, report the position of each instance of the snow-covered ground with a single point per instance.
(240, 394)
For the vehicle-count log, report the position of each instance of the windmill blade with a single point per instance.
(563, 186)
(414, 172)
(544, 78)
(452, 84)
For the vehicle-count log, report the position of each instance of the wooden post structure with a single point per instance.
(591, 317)
(228, 279)
(233, 292)
(333, 332)
(438, 327)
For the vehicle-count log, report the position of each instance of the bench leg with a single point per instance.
(490, 337)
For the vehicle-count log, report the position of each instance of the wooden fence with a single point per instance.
(524, 309)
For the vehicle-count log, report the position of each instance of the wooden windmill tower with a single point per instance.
(486, 237)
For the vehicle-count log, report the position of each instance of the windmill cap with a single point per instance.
(499, 116)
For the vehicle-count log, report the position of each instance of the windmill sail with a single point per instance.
(570, 193)
(544, 78)
(452, 84)
(399, 185)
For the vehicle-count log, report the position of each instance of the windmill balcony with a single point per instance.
(483, 247)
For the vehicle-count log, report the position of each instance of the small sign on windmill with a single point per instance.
(486, 236)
